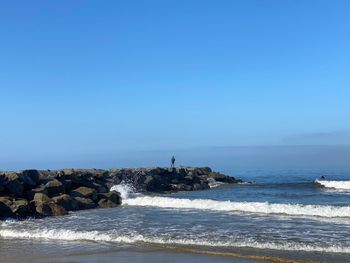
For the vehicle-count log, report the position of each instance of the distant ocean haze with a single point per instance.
(220, 158)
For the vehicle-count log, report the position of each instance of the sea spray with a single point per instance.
(126, 190)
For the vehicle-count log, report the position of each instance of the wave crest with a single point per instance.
(250, 207)
(70, 235)
(340, 185)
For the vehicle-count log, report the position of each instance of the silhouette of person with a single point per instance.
(173, 162)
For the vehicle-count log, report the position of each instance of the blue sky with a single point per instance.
(110, 77)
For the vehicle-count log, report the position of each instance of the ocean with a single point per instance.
(280, 214)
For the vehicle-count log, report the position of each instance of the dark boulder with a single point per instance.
(100, 188)
(12, 184)
(191, 179)
(181, 187)
(201, 171)
(10, 207)
(67, 185)
(21, 208)
(156, 171)
(112, 196)
(80, 178)
(200, 186)
(30, 178)
(5, 207)
(30, 194)
(105, 203)
(41, 198)
(67, 202)
(154, 184)
(54, 187)
(50, 209)
(223, 178)
(84, 203)
(85, 192)
(45, 206)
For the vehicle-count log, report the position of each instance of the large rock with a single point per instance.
(223, 178)
(80, 178)
(112, 196)
(100, 188)
(67, 202)
(30, 178)
(50, 209)
(5, 207)
(10, 207)
(157, 183)
(41, 198)
(67, 185)
(200, 186)
(201, 171)
(30, 194)
(45, 206)
(85, 192)
(54, 187)
(21, 208)
(105, 203)
(12, 184)
(84, 203)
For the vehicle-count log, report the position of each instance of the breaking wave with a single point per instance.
(126, 190)
(96, 236)
(213, 183)
(327, 211)
(340, 185)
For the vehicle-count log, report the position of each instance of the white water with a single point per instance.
(69, 235)
(341, 185)
(11, 229)
(126, 190)
(250, 207)
(213, 183)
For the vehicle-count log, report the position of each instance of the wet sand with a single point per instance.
(127, 257)
(19, 250)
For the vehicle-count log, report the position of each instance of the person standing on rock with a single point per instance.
(173, 162)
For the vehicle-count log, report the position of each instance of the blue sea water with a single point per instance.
(275, 212)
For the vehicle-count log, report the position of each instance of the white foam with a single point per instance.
(126, 190)
(213, 183)
(341, 185)
(250, 207)
(70, 235)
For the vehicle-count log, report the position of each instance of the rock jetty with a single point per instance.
(40, 193)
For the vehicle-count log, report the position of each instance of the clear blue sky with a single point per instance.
(107, 77)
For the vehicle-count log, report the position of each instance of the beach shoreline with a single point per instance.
(137, 254)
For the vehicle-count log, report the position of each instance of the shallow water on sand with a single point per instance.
(273, 216)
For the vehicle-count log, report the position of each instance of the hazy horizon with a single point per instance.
(225, 159)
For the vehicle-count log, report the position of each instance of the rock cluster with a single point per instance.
(168, 179)
(34, 193)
